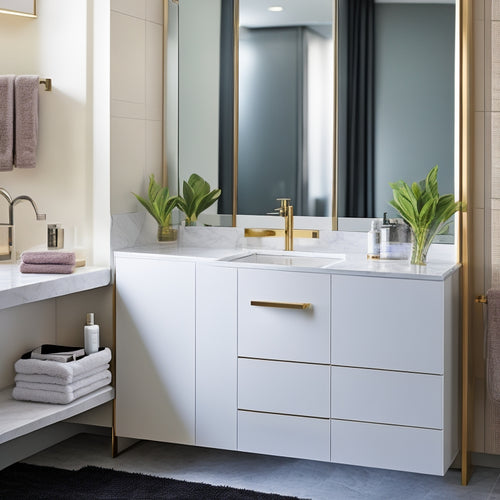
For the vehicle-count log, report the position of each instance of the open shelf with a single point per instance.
(18, 418)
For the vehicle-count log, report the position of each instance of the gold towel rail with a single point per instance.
(48, 84)
(481, 299)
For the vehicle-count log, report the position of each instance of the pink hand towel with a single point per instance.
(6, 122)
(46, 268)
(48, 257)
(26, 111)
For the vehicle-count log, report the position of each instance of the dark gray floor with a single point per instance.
(301, 478)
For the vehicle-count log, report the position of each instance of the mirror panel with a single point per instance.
(409, 137)
(18, 7)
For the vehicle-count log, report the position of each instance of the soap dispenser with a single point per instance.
(91, 335)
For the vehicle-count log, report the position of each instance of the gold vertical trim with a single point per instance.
(465, 13)
(164, 171)
(335, 220)
(236, 71)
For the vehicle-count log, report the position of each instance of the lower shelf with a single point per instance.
(18, 418)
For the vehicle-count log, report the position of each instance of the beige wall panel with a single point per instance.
(495, 155)
(495, 248)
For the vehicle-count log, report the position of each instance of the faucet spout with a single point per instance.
(39, 216)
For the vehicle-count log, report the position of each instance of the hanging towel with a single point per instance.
(26, 113)
(493, 344)
(48, 257)
(65, 371)
(6, 122)
(22, 394)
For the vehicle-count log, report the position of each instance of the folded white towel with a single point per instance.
(61, 398)
(68, 388)
(66, 371)
(48, 379)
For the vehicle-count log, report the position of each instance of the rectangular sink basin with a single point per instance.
(291, 259)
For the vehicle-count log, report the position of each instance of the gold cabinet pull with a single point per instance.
(282, 305)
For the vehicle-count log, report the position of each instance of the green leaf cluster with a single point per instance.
(159, 203)
(196, 197)
(421, 206)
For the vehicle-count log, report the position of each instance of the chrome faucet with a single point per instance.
(286, 210)
(7, 255)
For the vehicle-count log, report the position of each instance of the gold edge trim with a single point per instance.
(20, 14)
(335, 221)
(164, 171)
(236, 44)
(466, 53)
(114, 440)
(281, 305)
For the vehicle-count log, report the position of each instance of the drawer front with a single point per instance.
(387, 323)
(278, 333)
(388, 447)
(280, 387)
(283, 435)
(387, 397)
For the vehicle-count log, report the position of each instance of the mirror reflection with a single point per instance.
(396, 101)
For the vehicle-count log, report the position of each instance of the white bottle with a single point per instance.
(374, 241)
(91, 335)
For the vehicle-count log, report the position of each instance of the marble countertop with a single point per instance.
(17, 288)
(352, 264)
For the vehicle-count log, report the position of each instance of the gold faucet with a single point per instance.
(286, 210)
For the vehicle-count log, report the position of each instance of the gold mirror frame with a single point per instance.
(27, 13)
(464, 60)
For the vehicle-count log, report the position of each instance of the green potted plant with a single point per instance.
(196, 198)
(426, 212)
(160, 205)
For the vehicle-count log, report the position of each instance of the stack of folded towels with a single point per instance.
(47, 381)
(48, 262)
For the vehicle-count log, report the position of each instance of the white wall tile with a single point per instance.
(154, 11)
(479, 74)
(128, 160)
(154, 71)
(128, 58)
(136, 8)
(154, 131)
(478, 166)
(125, 109)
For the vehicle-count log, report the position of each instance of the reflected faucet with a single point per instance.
(7, 253)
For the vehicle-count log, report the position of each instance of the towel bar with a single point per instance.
(48, 84)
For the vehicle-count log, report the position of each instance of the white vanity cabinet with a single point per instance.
(283, 363)
(395, 372)
(334, 366)
(155, 349)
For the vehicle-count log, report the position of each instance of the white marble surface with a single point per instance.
(17, 288)
(352, 263)
(18, 418)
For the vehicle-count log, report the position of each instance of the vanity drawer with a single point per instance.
(280, 387)
(412, 399)
(281, 333)
(388, 323)
(410, 449)
(284, 435)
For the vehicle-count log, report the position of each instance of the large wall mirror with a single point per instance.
(334, 100)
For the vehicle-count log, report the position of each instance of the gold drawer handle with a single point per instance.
(282, 305)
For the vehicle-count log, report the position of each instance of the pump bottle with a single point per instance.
(91, 335)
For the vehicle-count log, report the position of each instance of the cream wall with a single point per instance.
(136, 99)
(58, 45)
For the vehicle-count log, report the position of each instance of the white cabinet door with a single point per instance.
(155, 349)
(216, 356)
(388, 323)
(279, 333)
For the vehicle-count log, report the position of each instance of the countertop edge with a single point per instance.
(24, 289)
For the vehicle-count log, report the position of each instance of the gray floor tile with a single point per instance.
(301, 478)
